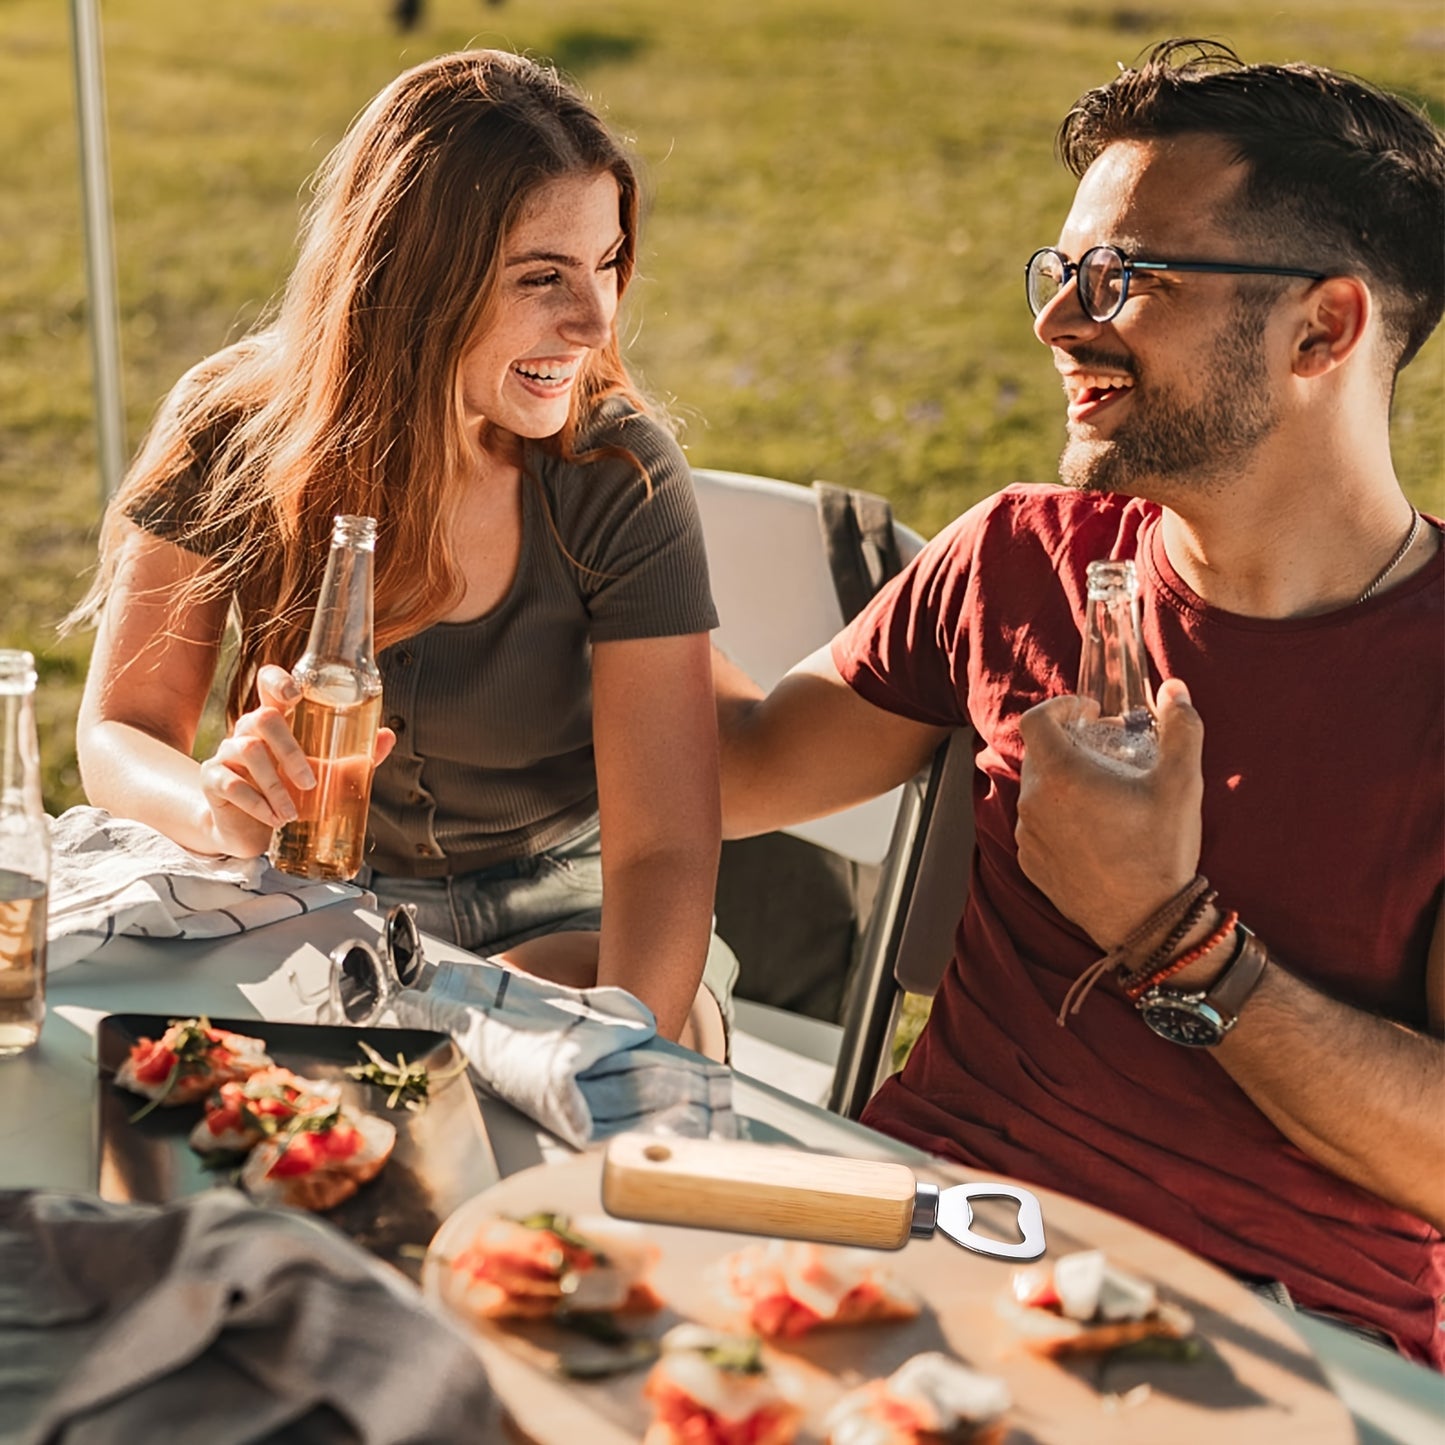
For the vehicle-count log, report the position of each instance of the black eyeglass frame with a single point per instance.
(375, 978)
(1128, 265)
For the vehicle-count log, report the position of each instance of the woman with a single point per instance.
(444, 359)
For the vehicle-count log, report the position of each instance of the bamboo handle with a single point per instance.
(754, 1188)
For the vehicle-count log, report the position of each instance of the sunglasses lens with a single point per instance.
(404, 944)
(358, 980)
(1044, 279)
(1101, 282)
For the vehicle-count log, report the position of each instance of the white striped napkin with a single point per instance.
(584, 1063)
(111, 876)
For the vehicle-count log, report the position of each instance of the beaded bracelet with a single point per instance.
(1137, 987)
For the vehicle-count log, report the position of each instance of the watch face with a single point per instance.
(1181, 1020)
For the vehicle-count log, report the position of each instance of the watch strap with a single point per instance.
(1231, 990)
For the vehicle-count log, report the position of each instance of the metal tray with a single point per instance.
(442, 1155)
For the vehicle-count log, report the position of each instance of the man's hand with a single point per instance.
(1108, 849)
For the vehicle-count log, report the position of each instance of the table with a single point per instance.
(47, 1109)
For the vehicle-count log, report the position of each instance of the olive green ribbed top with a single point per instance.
(493, 717)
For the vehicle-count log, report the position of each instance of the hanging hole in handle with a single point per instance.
(657, 1153)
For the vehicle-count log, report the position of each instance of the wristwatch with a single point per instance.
(1200, 1019)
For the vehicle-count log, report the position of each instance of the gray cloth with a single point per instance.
(215, 1322)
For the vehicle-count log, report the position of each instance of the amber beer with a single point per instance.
(329, 835)
(336, 720)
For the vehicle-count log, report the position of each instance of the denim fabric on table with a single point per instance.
(558, 891)
(585, 1063)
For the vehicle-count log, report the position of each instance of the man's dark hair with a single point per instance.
(1341, 176)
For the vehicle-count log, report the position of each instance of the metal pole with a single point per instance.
(99, 251)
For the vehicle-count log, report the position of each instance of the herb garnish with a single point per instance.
(409, 1083)
(743, 1356)
(561, 1226)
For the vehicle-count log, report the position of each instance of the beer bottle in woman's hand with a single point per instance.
(336, 719)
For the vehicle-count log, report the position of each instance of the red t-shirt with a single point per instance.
(1324, 774)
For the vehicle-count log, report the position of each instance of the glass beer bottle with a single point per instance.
(336, 719)
(24, 860)
(1114, 672)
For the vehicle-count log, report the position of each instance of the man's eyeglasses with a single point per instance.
(1103, 274)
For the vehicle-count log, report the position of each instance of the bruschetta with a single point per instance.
(1086, 1305)
(189, 1061)
(712, 1388)
(319, 1160)
(541, 1264)
(240, 1114)
(786, 1287)
(927, 1400)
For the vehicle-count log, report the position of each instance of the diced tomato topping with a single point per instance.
(1034, 1289)
(310, 1150)
(153, 1061)
(699, 1426)
(779, 1316)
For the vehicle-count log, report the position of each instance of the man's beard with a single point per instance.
(1168, 439)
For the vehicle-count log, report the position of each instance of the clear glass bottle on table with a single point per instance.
(336, 719)
(1114, 672)
(24, 860)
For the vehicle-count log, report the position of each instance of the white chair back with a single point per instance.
(776, 603)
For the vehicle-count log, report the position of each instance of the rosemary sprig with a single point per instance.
(409, 1084)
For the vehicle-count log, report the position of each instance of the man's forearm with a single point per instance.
(810, 747)
(1361, 1095)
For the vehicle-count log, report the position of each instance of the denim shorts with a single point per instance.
(559, 891)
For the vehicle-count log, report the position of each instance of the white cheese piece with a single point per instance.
(947, 1393)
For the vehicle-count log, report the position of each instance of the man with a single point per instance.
(1228, 428)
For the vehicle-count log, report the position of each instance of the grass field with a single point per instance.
(842, 197)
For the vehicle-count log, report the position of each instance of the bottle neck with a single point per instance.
(341, 630)
(1113, 669)
(19, 753)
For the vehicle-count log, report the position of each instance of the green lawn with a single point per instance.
(842, 197)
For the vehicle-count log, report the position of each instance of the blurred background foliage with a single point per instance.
(841, 197)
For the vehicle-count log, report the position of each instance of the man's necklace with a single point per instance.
(1395, 560)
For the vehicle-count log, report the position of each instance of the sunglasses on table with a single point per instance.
(1103, 274)
(364, 982)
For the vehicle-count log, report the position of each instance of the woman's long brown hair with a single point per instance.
(349, 400)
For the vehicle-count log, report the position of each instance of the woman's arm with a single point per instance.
(150, 673)
(655, 736)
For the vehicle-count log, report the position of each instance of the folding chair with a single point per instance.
(777, 602)
(909, 941)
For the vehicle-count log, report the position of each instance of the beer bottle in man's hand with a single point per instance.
(1114, 672)
(335, 722)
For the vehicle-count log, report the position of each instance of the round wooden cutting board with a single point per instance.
(1253, 1383)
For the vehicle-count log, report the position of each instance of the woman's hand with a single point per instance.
(244, 784)
(251, 783)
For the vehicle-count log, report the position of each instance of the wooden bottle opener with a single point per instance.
(757, 1189)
